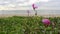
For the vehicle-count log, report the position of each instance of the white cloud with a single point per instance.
(44, 0)
(21, 2)
(6, 2)
(11, 5)
(27, 3)
(30, 2)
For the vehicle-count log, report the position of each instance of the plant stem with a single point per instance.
(45, 31)
(35, 12)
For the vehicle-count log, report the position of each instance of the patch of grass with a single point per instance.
(27, 25)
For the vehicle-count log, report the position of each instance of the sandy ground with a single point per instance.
(10, 15)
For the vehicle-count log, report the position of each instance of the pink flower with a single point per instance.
(46, 21)
(34, 6)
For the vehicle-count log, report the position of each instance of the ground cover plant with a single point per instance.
(28, 25)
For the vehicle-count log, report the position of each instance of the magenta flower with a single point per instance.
(46, 22)
(34, 6)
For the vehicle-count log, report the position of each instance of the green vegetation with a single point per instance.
(28, 25)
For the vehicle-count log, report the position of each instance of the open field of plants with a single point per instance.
(28, 25)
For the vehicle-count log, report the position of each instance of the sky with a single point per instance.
(26, 4)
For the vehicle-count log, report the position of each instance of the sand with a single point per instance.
(10, 15)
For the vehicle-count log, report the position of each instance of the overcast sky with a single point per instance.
(26, 4)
